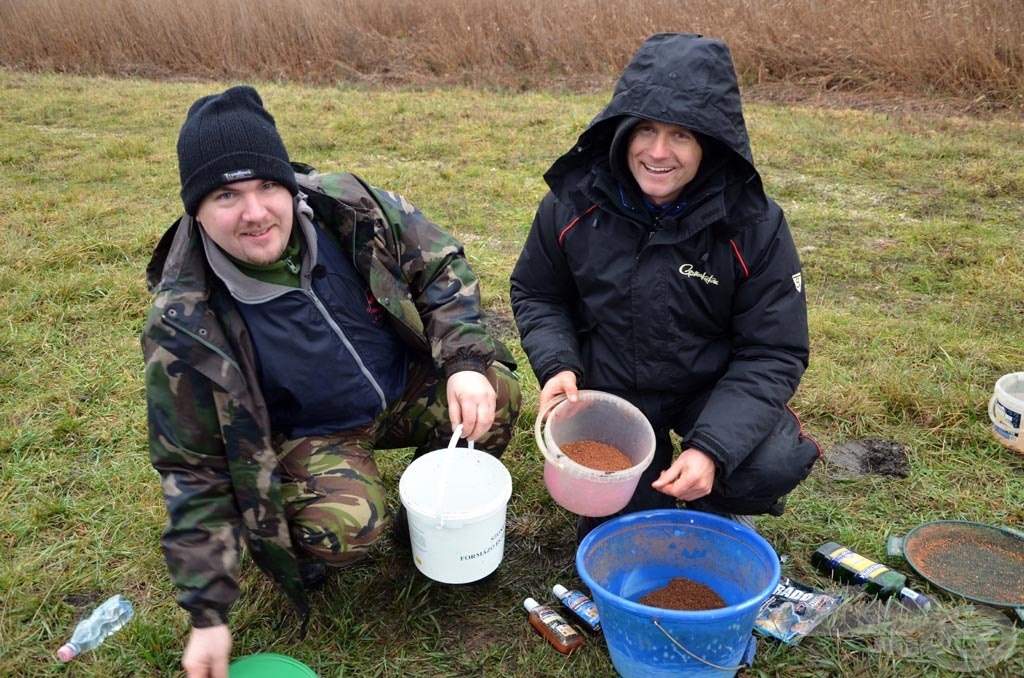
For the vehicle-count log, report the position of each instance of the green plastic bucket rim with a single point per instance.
(269, 665)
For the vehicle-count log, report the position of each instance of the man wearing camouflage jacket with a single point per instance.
(300, 321)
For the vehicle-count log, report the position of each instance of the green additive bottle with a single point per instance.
(846, 566)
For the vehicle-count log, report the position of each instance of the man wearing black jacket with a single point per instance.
(657, 269)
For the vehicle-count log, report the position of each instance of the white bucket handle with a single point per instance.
(679, 645)
(541, 416)
(995, 420)
(445, 465)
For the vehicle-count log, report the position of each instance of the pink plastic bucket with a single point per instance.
(604, 418)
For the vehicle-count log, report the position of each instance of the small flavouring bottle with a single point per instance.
(553, 627)
(580, 605)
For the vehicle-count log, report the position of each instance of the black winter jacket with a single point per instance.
(709, 302)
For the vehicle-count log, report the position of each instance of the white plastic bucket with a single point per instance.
(1005, 408)
(456, 500)
(607, 419)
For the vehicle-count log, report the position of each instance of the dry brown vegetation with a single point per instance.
(961, 48)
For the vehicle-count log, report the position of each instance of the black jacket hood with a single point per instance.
(685, 80)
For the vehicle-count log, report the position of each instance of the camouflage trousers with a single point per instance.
(335, 500)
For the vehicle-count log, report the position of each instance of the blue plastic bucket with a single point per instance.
(627, 557)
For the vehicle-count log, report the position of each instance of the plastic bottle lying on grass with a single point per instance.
(553, 627)
(110, 616)
(580, 605)
(849, 567)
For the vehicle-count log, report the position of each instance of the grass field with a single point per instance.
(909, 229)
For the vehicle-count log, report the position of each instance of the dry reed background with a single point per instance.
(950, 48)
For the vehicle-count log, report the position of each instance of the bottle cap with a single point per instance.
(67, 652)
(529, 604)
(915, 599)
(559, 590)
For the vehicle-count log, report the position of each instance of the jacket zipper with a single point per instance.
(348, 345)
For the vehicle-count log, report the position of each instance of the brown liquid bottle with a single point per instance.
(553, 627)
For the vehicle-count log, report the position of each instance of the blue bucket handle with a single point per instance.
(748, 654)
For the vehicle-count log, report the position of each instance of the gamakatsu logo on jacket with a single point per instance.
(689, 271)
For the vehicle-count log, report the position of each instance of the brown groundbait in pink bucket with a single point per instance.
(600, 417)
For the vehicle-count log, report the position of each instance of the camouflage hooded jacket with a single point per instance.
(209, 429)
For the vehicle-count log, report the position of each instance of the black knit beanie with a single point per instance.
(226, 138)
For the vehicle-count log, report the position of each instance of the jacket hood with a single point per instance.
(685, 80)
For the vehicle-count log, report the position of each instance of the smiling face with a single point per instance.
(250, 220)
(663, 158)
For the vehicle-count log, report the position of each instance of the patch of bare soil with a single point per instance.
(869, 456)
(501, 324)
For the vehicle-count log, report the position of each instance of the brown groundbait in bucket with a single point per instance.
(683, 594)
(596, 455)
(977, 561)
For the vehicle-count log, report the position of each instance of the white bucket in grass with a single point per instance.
(1005, 409)
(456, 500)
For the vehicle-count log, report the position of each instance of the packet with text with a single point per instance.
(793, 610)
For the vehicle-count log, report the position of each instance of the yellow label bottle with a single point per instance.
(849, 567)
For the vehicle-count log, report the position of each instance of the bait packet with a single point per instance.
(793, 610)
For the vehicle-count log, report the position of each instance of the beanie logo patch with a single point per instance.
(237, 175)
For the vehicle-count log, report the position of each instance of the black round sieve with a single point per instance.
(979, 562)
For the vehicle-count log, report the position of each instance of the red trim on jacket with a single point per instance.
(561, 236)
(739, 258)
(800, 432)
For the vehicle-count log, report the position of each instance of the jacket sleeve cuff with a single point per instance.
(202, 619)
(465, 362)
(710, 447)
(563, 360)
